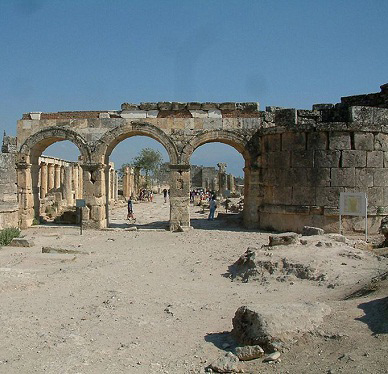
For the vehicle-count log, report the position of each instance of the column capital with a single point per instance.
(23, 165)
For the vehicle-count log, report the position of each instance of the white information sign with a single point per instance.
(354, 204)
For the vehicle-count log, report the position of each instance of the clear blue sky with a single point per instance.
(59, 55)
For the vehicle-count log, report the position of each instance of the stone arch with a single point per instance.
(231, 138)
(35, 144)
(110, 139)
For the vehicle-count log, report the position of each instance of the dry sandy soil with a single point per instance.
(152, 301)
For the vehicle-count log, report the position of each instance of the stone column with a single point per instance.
(221, 178)
(136, 181)
(43, 180)
(67, 190)
(75, 180)
(25, 197)
(57, 176)
(252, 197)
(94, 193)
(179, 196)
(231, 184)
(50, 170)
(116, 187)
(126, 182)
(111, 184)
(80, 182)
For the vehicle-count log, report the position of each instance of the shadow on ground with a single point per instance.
(157, 225)
(376, 315)
(222, 340)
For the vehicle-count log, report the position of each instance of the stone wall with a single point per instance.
(306, 163)
(8, 188)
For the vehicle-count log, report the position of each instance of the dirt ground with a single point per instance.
(152, 301)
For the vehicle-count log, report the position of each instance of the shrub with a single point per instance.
(6, 235)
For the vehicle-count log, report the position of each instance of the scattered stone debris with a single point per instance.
(384, 230)
(225, 364)
(285, 238)
(249, 352)
(61, 250)
(282, 323)
(338, 238)
(21, 242)
(309, 231)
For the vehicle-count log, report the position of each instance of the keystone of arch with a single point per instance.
(231, 138)
(35, 144)
(106, 144)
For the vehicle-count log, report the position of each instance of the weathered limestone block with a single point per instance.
(21, 242)
(214, 113)
(339, 140)
(364, 177)
(279, 159)
(196, 113)
(303, 196)
(302, 159)
(286, 117)
(375, 196)
(364, 141)
(292, 141)
(380, 177)
(285, 238)
(329, 196)
(317, 140)
(152, 113)
(209, 106)
(148, 106)
(271, 143)
(343, 177)
(266, 324)
(225, 364)
(133, 114)
(309, 231)
(327, 158)
(375, 159)
(353, 158)
(249, 352)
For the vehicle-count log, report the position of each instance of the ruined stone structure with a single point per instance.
(208, 178)
(296, 161)
(9, 209)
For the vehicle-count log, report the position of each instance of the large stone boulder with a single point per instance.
(276, 323)
(285, 238)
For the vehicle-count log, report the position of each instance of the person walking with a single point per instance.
(213, 207)
(165, 195)
(130, 210)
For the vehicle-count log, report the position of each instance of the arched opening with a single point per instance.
(217, 168)
(126, 180)
(51, 179)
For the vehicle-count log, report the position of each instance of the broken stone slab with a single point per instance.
(245, 266)
(338, 238)
(272, 357)
(267, 324)
(309, 231)
(21, 242)
(285, 238)
(249, 352)
(225, 364)
(61, 250)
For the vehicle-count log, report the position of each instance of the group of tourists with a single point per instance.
(146, 195)
(201, 195)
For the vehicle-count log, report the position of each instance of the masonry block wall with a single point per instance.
(307, 163)
(9, 210)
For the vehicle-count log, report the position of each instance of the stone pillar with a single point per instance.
(222, 182)
(231, 183)
(50, 172)
(116, 187)
(253, 193)
(80, 182)
(94, 193)
(67, 190)
(126, 192)
(57, 176)
(43, 180)
(136, 181)
(75, 180)
(111, 184)
(179, 196)
(25, 197)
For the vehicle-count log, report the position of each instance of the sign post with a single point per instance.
(80, 203)
(354, 204)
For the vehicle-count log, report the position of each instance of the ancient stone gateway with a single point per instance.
(296, 161)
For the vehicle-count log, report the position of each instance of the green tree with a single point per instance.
(149, 161)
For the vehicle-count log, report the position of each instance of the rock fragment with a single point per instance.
(309, 230)
(272, 357)
(249, 352)
(225, 364)
(285, 238)
(21, 242)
